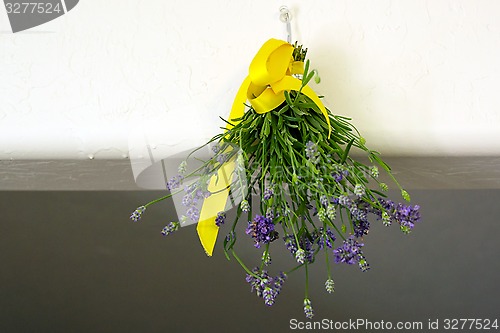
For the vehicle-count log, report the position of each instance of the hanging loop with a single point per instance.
(286, 17)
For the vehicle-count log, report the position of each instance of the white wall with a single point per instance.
(418, 77)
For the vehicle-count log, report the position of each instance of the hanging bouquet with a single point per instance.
(284, 163)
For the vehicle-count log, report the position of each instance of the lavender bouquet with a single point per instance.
(284, 164)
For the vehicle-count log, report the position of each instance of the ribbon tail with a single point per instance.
(238, 108)
(215, 203)
(207, 233)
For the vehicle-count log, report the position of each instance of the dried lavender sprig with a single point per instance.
(137, 214)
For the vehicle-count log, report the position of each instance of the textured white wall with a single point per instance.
(418, 77)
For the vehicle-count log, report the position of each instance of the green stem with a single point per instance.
(294, 269)
(243, 265)
(162, 198)
(307, 279)
(327, 264)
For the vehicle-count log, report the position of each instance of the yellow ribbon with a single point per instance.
(215, 203)
(270, 75)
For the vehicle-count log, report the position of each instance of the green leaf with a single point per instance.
(280, 123)
(377, 159)
(313, 128)
(284, 108)
(299, 112)
(346, 151)
(306, 70)
(379, 193)
(227, 122)
(289, 118)
(305, 80)
(288, 99)
(315, 123)
(308, 105)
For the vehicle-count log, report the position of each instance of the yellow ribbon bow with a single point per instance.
(270, 75)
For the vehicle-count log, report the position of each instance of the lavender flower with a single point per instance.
(266, 258)
(363, 264)
(290, 244)
(187, 200)
(269, 296)
(262, 230)
(170, 228)
(312, 152)
(322, 214)
(279, 281)
(256, 283)
(325, 238)
(220, 219)
(330, 286)
(245, 206)
(338, 177)
(191, 188)
(374, 172)
(269, 213)
(386, 219)
(361, 227)
(268, 193)
(193, 213)
(359, 190)
(308, 310)
(331, 212)
(216, 149)
(174, 182)
(345, 201)
(323, 200)
(221, 158)
(137, 214)
(307, 245)
(305, 251)
(266, 286)
(359, 211)
(300, 256)
(196, 192)
(339, 172)
(405, 215)
(388, 207)
(182, 168)
(350, 252)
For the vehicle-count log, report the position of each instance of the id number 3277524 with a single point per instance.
(33, 7)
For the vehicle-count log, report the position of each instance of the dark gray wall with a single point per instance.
(73, 262)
